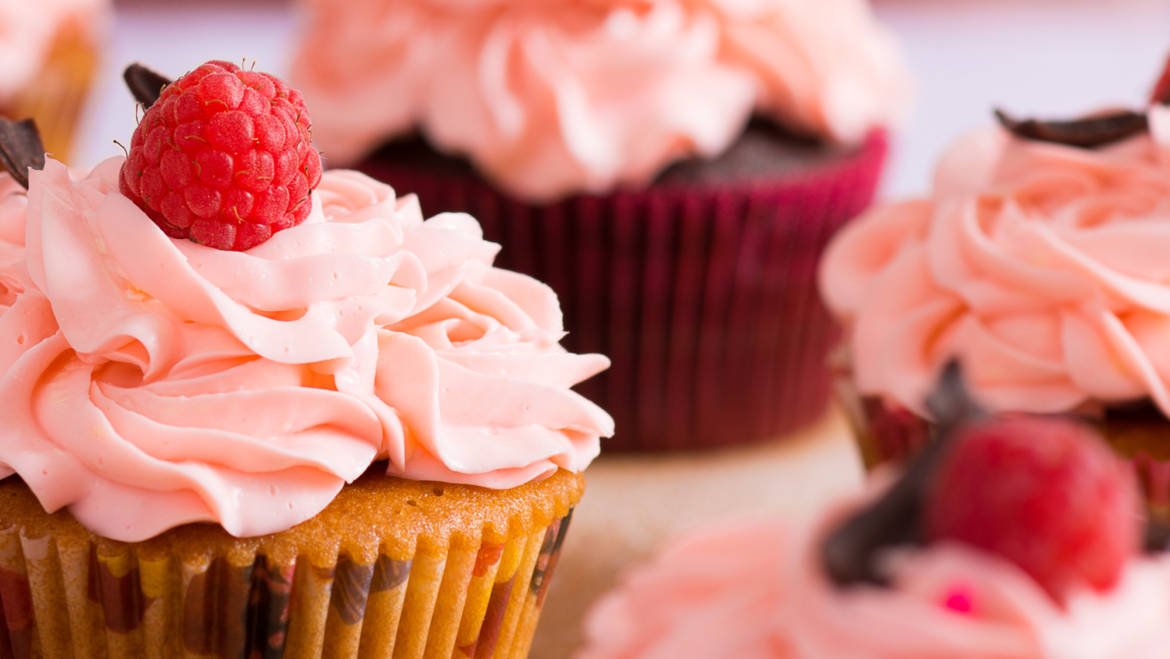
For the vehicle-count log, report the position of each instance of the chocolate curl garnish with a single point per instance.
(144, 84)
(1157, 537)
(1086, 133)
(21, 148)
(850, 551)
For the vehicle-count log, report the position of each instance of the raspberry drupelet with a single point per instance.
(224, 158)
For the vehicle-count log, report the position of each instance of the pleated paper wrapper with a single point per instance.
(446, 591)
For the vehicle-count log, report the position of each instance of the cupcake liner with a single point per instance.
(888, 434)
(703, 295)
(464, 595)
(57, 94)
(104, 600)
(1154, 477)
(1141, 434)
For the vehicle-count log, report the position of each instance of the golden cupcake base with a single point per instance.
(57, 93)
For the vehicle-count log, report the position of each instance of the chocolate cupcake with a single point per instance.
(673, 171)
(1038, 260)
(316, 423)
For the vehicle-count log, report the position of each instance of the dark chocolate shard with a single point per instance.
(850, 552)
(146, 85)
(1086, 132)
(951, 404)
(21, 148)
(1157, 537)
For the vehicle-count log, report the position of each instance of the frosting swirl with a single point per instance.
(149, 382)
(757, 590)
(13, 204)
(1043, 267)
(549, 99)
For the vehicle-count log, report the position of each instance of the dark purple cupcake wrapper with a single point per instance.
(702, 295)
(891, 434)
(1154, 479)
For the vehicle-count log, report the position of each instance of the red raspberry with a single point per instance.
(223, 158)
(1162, 88)
(1043, 493)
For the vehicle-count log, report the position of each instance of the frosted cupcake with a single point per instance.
(1038, 259)
(356, 434)
(48, 56)
(995, 545)
(672, 169)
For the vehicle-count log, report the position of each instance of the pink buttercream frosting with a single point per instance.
(150, 382)
(1043, 267)
(758, 590)
(553, 98)
(13, 204)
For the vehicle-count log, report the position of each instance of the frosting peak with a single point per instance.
(13, 204)
(550, 99)
(1041, 266)
(148, 382)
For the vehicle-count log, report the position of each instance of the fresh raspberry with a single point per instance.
(1162, 89)
(1043, 493)
(223, 158)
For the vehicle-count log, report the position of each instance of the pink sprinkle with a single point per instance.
(959, 599)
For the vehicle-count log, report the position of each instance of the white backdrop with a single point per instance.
(1050, 56)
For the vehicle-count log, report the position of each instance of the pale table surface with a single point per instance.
(634, 504)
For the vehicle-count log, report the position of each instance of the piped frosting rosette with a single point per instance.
(773, 600)
(174, 383)
(13, 204)
(1010, 537)
(1042, 266)
(553, 98)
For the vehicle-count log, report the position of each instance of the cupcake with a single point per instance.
(256, 410)
(49, 50)
(1038, 261)
(994, 545)
(671, 169)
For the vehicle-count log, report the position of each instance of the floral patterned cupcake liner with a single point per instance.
(69, 593)
(99, 600)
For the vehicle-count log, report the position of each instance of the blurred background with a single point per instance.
(1030, 56)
